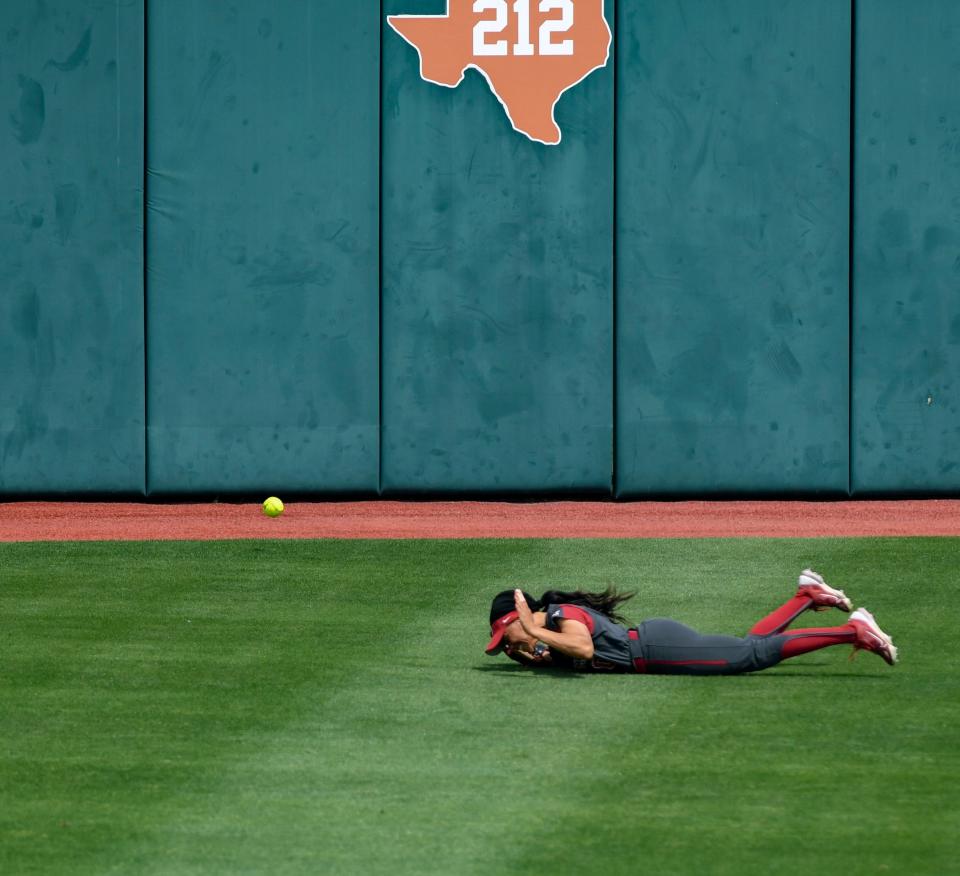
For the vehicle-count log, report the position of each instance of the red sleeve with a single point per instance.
(574, 612)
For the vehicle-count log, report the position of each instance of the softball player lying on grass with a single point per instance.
(582, 631)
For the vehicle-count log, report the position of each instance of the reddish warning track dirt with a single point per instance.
(85, 521)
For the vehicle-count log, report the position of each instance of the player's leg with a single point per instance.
(812, 593)
(669, 647)
(862, 631)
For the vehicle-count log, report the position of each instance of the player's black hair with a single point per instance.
(605, 603)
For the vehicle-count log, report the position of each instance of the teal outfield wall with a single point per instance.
(732, 246)
(71, 269)
(497, 287)
(262, 284)
(906, 289)
(738, 274)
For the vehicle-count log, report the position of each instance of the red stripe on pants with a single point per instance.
(639, 664)
(688, 662)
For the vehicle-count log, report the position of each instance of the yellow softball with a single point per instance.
(273, 507)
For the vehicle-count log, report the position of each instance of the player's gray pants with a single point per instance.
(668, 646)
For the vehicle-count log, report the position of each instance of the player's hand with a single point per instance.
(524, 615)
(540, 656)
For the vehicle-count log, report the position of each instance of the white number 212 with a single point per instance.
(523, 45)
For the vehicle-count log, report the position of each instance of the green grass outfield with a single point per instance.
(325, 707)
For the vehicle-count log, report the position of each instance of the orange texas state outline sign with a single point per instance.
(529, 51)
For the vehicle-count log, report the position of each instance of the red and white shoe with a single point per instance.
(811, 585)
(871, 638)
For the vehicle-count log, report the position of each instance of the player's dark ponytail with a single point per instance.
(605, 603)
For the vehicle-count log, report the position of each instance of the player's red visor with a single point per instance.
(496, 632)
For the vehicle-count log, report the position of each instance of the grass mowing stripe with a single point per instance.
(149, 671)
(319, 757)
(336, 770)
(394, 755)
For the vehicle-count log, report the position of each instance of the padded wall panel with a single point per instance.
(906, 281)
(71, 271)
(732, 246)
(262, 227)
(497, 285)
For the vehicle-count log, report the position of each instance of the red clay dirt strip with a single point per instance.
(87, 521)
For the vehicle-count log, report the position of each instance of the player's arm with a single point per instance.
(573, 638)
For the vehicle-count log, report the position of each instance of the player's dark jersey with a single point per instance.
(611, 642)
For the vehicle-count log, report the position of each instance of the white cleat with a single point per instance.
(811, 585)
(871, 638)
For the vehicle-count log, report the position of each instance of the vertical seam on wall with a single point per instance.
(850, 244)
(613, 274)
(380, 251)
(144, 252)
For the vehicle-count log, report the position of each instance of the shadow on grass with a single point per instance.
(515, 669)
(790, 673)
(821, 673)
